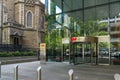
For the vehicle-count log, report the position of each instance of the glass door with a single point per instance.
(103, 54)
(79, 54)
(85, 53)
(90, 53)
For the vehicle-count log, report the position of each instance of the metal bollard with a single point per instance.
(117, 76)
(16, 72)
(39, 73)
(71, 72)
(0, 69)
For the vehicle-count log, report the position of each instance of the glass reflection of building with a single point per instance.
(74, 18)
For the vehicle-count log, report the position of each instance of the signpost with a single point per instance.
(42, 53)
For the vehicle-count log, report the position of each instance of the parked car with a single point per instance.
(115, 54)
(104, 51)
(87, 53)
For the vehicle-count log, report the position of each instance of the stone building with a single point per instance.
(22, 23)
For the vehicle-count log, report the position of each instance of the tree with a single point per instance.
(93, 28)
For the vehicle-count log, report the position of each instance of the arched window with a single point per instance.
(29, 19)
(5, 14)
(4, 37)
(42, 22)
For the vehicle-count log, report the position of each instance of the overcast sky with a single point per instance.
(43, 1)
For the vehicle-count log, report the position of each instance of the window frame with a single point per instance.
(27, 19)
(42, 21)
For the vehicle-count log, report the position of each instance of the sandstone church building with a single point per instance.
(22, 23)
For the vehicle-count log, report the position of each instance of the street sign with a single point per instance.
(43, 53)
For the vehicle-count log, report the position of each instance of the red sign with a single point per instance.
(73, 39)
(42, 45)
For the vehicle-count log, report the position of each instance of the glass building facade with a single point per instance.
(69, 20)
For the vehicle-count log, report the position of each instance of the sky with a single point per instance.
(43, 1)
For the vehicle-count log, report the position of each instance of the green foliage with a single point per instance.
(102, 33)
(93, 28)
(53, 39)
(17, 53)
(103, 44)
(102, 25)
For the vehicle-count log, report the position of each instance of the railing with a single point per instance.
(12, 47)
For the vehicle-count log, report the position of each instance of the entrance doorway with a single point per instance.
(84, 50)
(16, 41)
(94, 50)
(85, 53)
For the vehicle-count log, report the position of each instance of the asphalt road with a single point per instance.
(59, 71)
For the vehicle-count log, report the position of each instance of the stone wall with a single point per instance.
(30, 39)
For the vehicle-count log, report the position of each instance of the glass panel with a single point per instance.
(85, 53)
(73, 19)
(72, 5)
(59, 18)
(101, 2)
(67, 6)
(76, 4)
(89, 14)
(103, 53)
(90, 53)
(114, 9)
(102, 12)
(29, 19)
(89, 3)
(115, 54)
(52, 8)
(114, 0)
(66, 52)
(77, 15)
(78, 53)
(78, 29)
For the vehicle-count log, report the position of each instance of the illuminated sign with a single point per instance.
(65, 41)
(73, 39)
(84, 39)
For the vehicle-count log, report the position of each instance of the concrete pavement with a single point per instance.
(11, 60)
(59, 71)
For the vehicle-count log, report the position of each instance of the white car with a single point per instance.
(115, 54)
